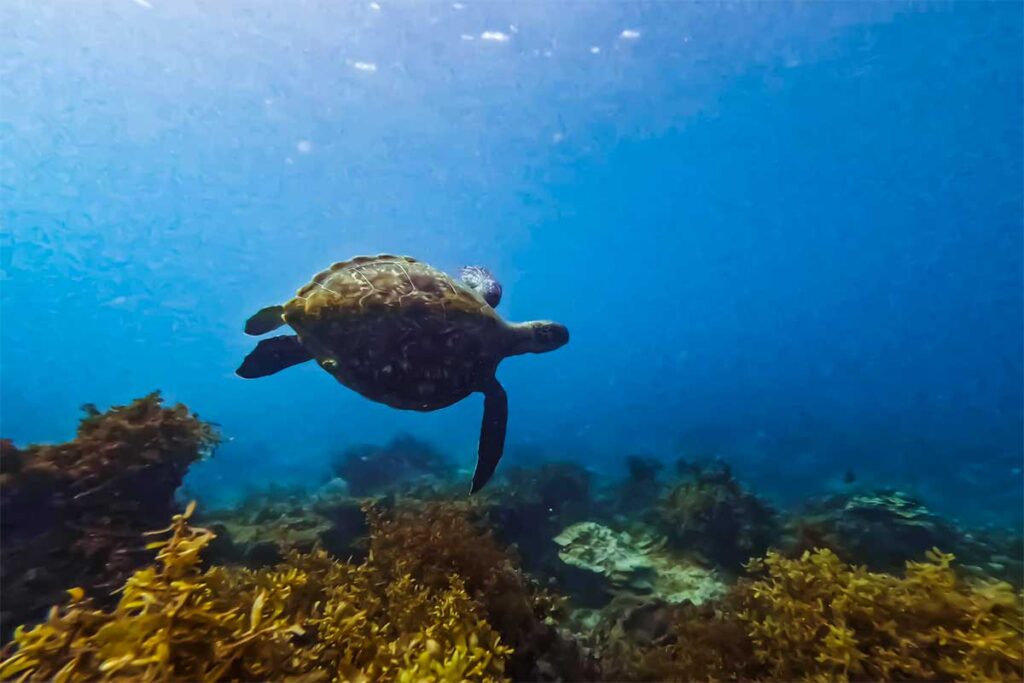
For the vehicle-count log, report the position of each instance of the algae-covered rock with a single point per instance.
(528, 506)
(617, 561)
(880, 529)
(885, 529)
(263, 529)
(261, 537)
(369, 469)
(641, 489)
(709, 513)
(74, 513)
(333, 489)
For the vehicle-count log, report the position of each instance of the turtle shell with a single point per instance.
(399, 331)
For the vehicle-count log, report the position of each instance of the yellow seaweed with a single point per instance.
(816, 618)
(310, 618)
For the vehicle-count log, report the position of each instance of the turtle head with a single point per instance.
(539, 336)
(480, 280)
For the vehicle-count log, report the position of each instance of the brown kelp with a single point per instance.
(72, 514)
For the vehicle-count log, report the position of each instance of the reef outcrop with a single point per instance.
(885, 529)
(73, 514)
(882, 529)
(708, 513)
(527, 507)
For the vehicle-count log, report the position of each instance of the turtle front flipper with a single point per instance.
(274, 355)
(265, 320)
(492, 434)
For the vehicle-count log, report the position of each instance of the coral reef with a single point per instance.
(73, 513)
(410, 587)
(709, 514)
(371, 470)
(631, 563)
(310, 618)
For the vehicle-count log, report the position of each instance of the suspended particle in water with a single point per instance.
(495, 36)
(629, 34)
(304, 146)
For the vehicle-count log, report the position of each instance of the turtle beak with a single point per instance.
(551, 336)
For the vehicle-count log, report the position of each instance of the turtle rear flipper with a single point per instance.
(492, 434)
(273, 355)
(265, 320)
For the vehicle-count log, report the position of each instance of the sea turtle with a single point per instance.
(404, 334)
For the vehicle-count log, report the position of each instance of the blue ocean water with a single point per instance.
(787, 235)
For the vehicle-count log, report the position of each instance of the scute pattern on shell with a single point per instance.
(369, 282)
